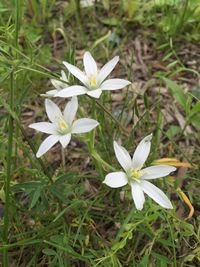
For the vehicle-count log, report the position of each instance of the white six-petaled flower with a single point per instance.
(58, 84)
(62, 126)
(93, 79)
(137, 177)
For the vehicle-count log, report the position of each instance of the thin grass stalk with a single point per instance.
(181, 22)
(78, 12)
(8, 174)
(111, 116)
(79, 19)
(126, 221)
(17, 22)
(172, 239)
(17, 27)
(28, 140)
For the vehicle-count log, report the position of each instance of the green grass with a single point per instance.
(64, 216)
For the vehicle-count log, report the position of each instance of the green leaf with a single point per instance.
(49, 252)
(188, 105)
(27, 187)
(172, 131)
(189, 258)
(187, 229)
(110, 21)
(35, 197)
(196, 120)
(161, 258)
(144, 262)
(67, 249)
(131, 7)
(106, 4)
(101, 39)
(196, 108)
(177, 92)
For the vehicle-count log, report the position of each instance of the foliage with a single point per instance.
(64, 216)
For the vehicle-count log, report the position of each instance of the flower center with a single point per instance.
(62, 126)
(135, 175)
(92, 80)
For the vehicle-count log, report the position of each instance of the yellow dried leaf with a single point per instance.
(187, 202)
(173, 162)
(164, 160)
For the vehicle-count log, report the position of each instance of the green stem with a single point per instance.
(10, 143)
(17, 23)
(34, 150)
(79, 20)
(111, 116)
(30, 143)
(63, 158)
(8, 175)
(172, 239)
(182, 17)
(78, 13)
(17, 27)
(127, 219)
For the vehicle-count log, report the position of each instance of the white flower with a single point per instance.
(87, 3)
(93, 79)
(62, 126)
(59, 85)
(137, 177)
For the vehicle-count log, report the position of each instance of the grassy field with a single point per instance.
(54, 210)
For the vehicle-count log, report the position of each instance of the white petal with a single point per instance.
(58, 84)
(122, 156)
(72, 91)
(84, 125)
(154, 172)
(138, 195)
(76, 72)
(142, 152)
(63, 76)
(50, 93)
(106, 69)
(116, 179)
(114, 84)
(89, 64)
(47, 144)
(94, 93)
(156, 194)
(44, 127)
(70, 110)
(86, 3)
(64, 140)
(52, 110)
(55, 83)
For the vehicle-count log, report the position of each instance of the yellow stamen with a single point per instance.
(135, 174)
(92, 80)
(62, 125)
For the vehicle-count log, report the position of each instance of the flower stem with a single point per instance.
(8, 175)
(111, 116)
(63, 158)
